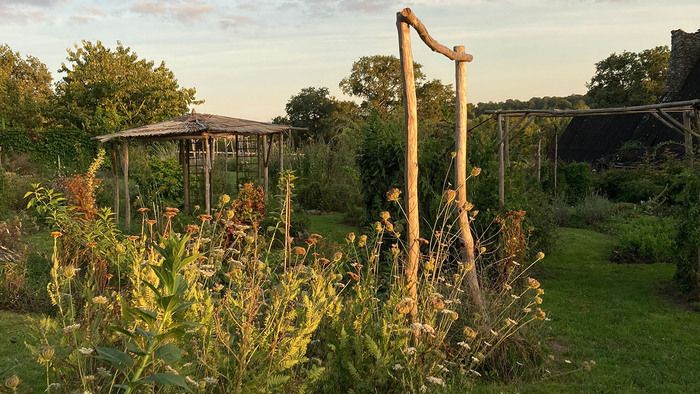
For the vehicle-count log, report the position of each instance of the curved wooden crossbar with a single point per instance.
(407, 16)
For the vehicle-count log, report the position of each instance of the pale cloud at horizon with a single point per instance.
(246, 58)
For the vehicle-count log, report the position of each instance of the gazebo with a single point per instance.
(200, 138)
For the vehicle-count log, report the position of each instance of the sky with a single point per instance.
(247, 58)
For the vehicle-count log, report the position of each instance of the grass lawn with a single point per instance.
(14, 356)
(618, 316)
(330, 226)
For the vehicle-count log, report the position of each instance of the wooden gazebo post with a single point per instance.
(115, 184)
(501, 164)
(207, 175)
(125, 169)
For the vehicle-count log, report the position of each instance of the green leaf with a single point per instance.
(149, 317)
(169, 353)
(122, 331)
(167, 379)
(117, 358)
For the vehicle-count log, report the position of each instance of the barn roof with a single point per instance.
(196, 124)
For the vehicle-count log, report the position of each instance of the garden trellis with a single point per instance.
(198, 137)
(404, 19)
(689, 128)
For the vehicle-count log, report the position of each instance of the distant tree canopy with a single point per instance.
(105, 90)
(324, 115)
(25, 90)
(629, 78)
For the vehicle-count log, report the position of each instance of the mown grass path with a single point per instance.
(618, 316)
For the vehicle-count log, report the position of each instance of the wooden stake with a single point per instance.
(266, 163)
(115, 187)
(501, 165)
(186, 174)
(556, 158)
(207, 176)
(238, 181)
(127, 199)
(506, 141)
(281, 152)
(411, 162)
(461, 176)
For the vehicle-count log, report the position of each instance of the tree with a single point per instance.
(436, 101)
(377, 79)
(105, 90)
(318, 111)
(25, 90)
(629, 78)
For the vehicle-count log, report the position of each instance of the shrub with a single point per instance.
(646, 239)
(574, 181)
(159, 181)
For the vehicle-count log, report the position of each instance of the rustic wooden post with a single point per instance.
(688, 138)
(506, 141)
(186, 173)
(281, 152)
(127, 199)
(207, 175)
(266, 162)
(501, 164)
(411, 162)
(115, 185)
(237, 167)
(461, 176)
(556, 158)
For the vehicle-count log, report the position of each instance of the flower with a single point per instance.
(474, 212)
(313, 239)
(469, 332)
(378, 227)
(410, 351)
(363, 241)
(151, 222)
(464, 345)
(437, 302)
(393, 195)
(511, 322)
(204, 218)
(540, 255)
(102, 371)
(99, 300)
(224, 199)
(71, 328)
(350, 237)
(55, 234)
(85, 350)
(298, 250)
(540, 314)
(337, 256)
(533, 283)
(476, 171)
(538, 300)
(210, 380)
(354, 276)
(385, 215)
(143, 210)
(435, 380)
(70, 271)
(46, 354)
(450, 313)
(449, 196)
(397, 367)
(192, 228)
(429, 329)
(12, 382)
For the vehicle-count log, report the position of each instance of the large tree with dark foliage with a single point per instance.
(106, 90)
(629, 78)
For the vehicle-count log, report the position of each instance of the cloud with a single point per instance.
(183, 11)
(236, 22)
(20, 13)
(88, 15)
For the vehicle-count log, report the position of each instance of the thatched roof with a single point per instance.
(194, 125)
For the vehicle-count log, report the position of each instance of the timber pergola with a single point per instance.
(689, 128)
(199, 138)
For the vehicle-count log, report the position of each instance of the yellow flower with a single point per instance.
(99, 300)
(12, 382)
(69, 272)
(224, 199)
(337, 256)
(469, 332)
(533, 283)
(298, 250)
(474, 212)
(46, 354)
(384, 215)
(192, 228)
(476, 171)
(350, 237)
(393, 195)
(437, 302)
(482, 250)
(449, 196)
(538, 300)
(378, 227)
(119, 248)
(56, 234)
(540, 314)
(363, 241)
(540, 255)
